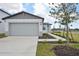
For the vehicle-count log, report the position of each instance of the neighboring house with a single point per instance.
(23, 24)
(2, 14)
(46, 27)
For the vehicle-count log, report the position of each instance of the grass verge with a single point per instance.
(44, 48)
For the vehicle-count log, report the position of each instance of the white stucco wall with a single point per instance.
(39, 21)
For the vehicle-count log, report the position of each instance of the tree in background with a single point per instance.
(65, 12)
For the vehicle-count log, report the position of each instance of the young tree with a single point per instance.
(54, 25)
(65, 12)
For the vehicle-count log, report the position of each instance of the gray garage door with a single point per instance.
(23, 29)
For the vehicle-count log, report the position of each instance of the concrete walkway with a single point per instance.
(57, 37)
(18, 46)
(50, 40)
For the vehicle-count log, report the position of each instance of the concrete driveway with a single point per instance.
(18, 46)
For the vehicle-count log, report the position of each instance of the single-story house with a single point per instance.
(34, 24)
(46, 27)
(2, 14)
(23, 24)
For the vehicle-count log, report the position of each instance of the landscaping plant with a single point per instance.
(64, 12)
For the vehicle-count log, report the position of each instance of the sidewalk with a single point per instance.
(57, 37)
(50, 40)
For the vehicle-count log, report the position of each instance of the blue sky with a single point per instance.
(29, 7)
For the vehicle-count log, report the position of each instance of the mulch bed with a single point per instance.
(46, 36)
(61, 50)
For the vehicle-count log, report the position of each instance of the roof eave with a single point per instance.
(5, 12)
(20, 13)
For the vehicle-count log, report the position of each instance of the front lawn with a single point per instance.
(43, 49)
(46, 49)
(74, 34)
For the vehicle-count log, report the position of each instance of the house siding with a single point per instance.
(23, 16)
(2, 24)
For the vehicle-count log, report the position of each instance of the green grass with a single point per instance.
(75, 45)
(75, 35)
(44, 49)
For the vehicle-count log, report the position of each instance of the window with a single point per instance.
(0, 22)
(43, 28)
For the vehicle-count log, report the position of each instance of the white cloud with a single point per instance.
(39, 9)
(43, 11)
(11, 7)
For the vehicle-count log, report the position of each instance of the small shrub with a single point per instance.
(2, 35)
(46, 36)
(60, 41)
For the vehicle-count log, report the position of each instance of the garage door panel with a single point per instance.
(23, 29)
